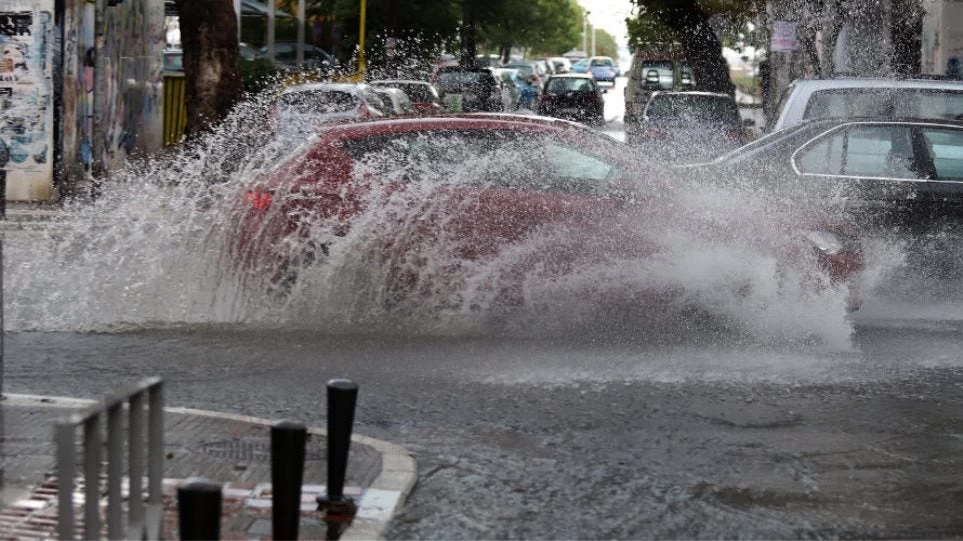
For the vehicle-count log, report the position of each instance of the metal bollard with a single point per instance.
(287, 474)
(199, 509)
(342, 397)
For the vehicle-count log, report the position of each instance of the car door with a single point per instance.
(873, 167)
(941, 149)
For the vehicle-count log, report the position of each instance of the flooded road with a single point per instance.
(592, 436)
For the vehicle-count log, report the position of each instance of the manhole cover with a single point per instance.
(254, 450)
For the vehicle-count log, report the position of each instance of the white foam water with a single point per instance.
(153, 252)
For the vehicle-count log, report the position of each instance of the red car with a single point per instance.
(483, 202)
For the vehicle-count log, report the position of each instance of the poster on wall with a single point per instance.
(26, 97)
(783, 36)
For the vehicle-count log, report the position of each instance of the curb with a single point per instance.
(379, 503)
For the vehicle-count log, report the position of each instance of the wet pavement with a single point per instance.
(592, 436)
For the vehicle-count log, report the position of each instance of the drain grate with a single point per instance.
(255, 450)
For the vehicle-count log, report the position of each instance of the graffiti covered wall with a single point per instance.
(133, 91)
(26, 96)
(135, 95)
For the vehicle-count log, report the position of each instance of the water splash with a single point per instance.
(154, 252)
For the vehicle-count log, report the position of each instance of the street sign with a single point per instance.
(784, 36)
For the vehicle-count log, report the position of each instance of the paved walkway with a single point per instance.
(230, 449)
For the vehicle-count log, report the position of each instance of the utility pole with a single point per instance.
(237, 10)
(362, 64)
(271, 7)
(593, 41)
(585, 32)
(300, 51)
(99, 138)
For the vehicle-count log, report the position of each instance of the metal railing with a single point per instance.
(143, 521)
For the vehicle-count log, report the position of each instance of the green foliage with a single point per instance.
(256, 75)
(605, 44)
(730, 18)
(748, 85)
(544, 26)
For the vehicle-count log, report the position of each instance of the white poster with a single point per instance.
(783, 36)
(26, 97)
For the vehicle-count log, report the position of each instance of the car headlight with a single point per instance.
(828, 242)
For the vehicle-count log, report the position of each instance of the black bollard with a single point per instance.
(199, 509)
(287, 474)
(342, 397)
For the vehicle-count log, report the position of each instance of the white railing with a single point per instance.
(143, 521)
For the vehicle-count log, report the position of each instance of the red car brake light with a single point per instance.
(259, 200)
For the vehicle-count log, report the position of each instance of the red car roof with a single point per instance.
(456, 121)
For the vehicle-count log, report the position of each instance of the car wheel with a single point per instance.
(288, 272)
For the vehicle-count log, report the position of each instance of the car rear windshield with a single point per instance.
(693, 107)
(463, 77)
(569, 84)
(417, 93)
(601, 62)
(886, 102)
(319, 101)
(523, 70)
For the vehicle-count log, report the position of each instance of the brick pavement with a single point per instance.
(232, 450)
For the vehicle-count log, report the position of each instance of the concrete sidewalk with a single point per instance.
(231, 449)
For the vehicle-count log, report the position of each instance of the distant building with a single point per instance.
(943, 37)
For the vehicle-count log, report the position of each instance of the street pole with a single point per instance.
(361, 60)
(593, 41)
(300, 52)
(271, 7)
(100, 97)
(585, 32)
(237, 11)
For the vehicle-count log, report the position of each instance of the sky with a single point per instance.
(610, 15)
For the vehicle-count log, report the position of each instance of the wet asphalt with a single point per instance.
(590, 438)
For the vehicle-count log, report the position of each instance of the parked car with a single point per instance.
(488, 60)
(852, 97)
(655, 67)
(285, 56)
(689, 126)
(462, 189)
(173, 61)
(602, 68)
(562, 65)
(575, 97)
(468, 90)
(301, 109)
(527, 69)
(511, 87)
(889, 174)
(174, 58)
(547, 64)
(396, 102)
(581, 66)
(424, 98)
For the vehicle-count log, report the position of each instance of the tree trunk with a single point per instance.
(211, 61)
(701, 45)
(506, 53)
(907, 32)
(468, 39)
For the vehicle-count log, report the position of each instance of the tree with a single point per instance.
(211, 61)
(696, 25)
(605, 44)
(545, 26)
